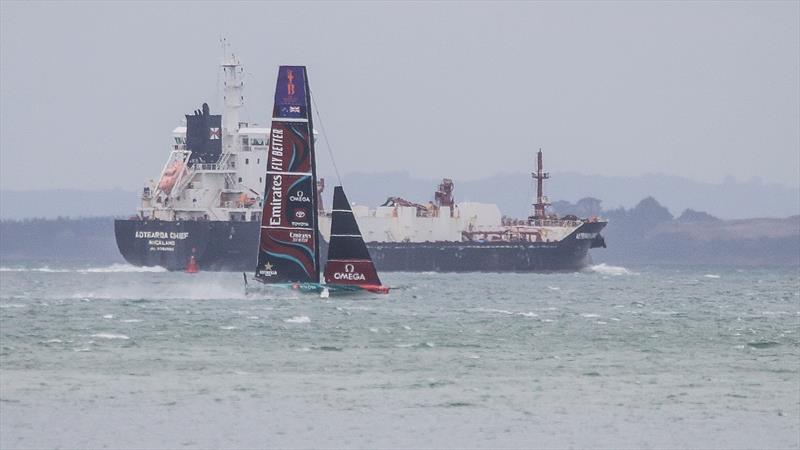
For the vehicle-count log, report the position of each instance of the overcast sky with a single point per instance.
(91, 91)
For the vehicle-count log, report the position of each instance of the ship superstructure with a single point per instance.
(444, 220)
(215, 170)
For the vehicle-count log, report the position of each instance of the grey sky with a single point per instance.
(91, 91)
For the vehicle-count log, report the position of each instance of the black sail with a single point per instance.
(349, 262)
(288, 243)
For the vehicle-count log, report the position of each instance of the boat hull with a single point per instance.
(217, 245)
(232, 246)
(569, 254)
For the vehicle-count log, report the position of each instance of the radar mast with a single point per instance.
(541, 203)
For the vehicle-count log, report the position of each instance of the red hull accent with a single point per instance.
(377, 289)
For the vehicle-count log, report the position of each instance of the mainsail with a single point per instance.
(348, 262)
(288, 247)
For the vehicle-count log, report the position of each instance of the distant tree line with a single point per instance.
(645, 234)
(649, 234)
(62, 239)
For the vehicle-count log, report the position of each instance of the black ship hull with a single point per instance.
(216, 245)
(233, 246)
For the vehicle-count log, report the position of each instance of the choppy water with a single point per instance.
(612, 357)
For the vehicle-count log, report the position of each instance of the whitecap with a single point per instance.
(711, 275)
(554, 288)
(589, 315)
(131, 320)
(108, 316)
(373, 330)
(117, 268)
(110, 336)
(356, 308)
(406, 327)
(114, 268)
(606, 269)
(32, 269)
(53, 341)
(12, 305)
(298, 319)
(228, 328)
(528, 314)
(491, 310)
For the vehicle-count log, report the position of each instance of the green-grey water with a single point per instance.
(119, 357)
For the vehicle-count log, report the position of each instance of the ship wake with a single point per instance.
(606, 269)
(114, 268)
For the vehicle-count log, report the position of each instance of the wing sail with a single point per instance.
(288, 244)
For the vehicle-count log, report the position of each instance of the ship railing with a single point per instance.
(207, 166)
(223, 164)
(187, 177)
(253, 147)
(555, 223)
(212, 167)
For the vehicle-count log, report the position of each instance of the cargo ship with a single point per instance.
(205, 207)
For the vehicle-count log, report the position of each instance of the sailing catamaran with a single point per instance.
(289, 247)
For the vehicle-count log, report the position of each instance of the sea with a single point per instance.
(611, 357)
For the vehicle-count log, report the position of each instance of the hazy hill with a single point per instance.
(649, 234)
(88, 240)
(72, 203)
(645, 234)
(512, 192)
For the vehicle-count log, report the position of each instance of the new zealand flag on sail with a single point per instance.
(290, 93)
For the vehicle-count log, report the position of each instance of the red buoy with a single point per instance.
(191, 266)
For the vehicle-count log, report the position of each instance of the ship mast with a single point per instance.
(541, 201)
(234, 99)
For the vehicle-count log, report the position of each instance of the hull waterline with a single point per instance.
(232, 246)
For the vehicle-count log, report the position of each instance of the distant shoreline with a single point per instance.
(631, 241)
(512, 192)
